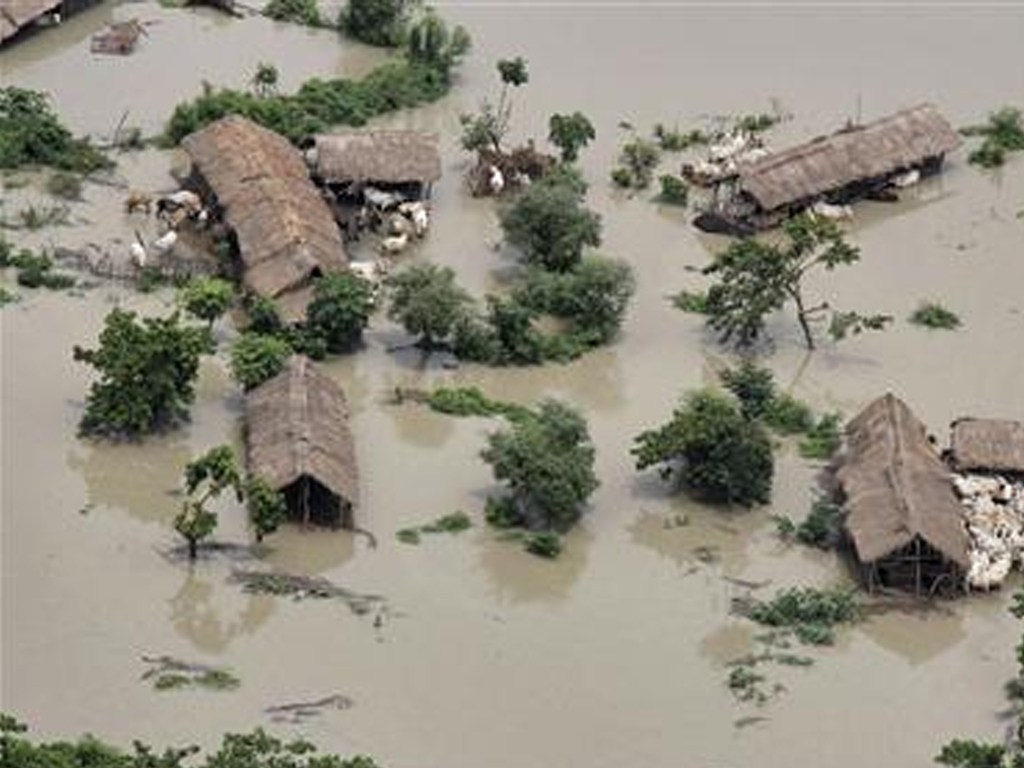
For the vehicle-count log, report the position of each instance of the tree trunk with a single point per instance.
(193, 548)
(801, 315)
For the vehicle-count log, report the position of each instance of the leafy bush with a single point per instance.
(36, 271)
(427, 301)
(298, 11)
(31, 134)
(470, 401)
(266, 506)
(263, 316)
(811, 613)
(823, 527)
(546, 544)
(695, 302)
(788, 415)
(674, 191)
(340, 310)
(638, 159)
(1003, 133)
(674, 140)
(931, 314)
(753, 386)
(823, 439)
(256, 358)
(377, 22)
(207, 298)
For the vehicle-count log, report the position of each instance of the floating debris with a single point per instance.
(303, 587)
(994, 519)
(169, 673)
(118, 39)
(303, 710)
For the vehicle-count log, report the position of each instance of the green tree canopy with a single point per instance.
(547, 462)
(430, 43)
(377, 22)
(340, 310)
(256, 358)
(266, 506)
(205, 479)
(570, 133)
(207, 298)
(31, 134)
(147, 372)
(755, 278)
(426, 300)
(716, 451)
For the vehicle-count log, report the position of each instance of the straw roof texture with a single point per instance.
(286, 232)
(297, 426)
(988, 444)
(391, 157)
(897, 487)
(15, 14)
(831, 162)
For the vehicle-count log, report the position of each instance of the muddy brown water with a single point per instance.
(615, 653)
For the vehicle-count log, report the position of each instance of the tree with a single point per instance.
(426, 300)
(550, 225)
(266, 77)
(205, 479)
(487, 129)
(430, 43)
(256, 358)
(147, 373)
(266, 506)
(718, 453)
(377, 22)
(297, 11)
(756, 279)
(547, 461)
(570, 133)
(207, 298)
(638, 159)
(340, 310)
(31, 134)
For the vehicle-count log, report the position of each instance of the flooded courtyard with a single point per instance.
(615, 653)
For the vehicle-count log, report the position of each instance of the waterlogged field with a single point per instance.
(617, 651)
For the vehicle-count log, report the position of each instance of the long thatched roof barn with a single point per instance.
(285, 231)
(298, 439)
(988, 445)
(17, 14)
(392, 158)
(911, 138)
(903, 516)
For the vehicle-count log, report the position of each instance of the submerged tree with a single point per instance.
(547, 461)
(713, 448)
(264, 80)
(205, 479)
(755, 279)
(377, 22)
(147, 373)
(256, 358)
(487, 129)
(427, 301)
(266, 505)
(430, 43)
(570, 133)
(207, 298)
(341, 308)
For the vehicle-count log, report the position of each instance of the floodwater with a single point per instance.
(615, 654)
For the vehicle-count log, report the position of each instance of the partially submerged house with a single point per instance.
(404, 161)
(852, 163)
(18, 15)
(987, 445)
(903, 518)
(285, 232)
(298, 439)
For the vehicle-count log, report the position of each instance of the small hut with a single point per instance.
(15, 15)
(903, 516)
(852, 163)
(402, 161)
(298, 439)
(285, 232)
(987, 445)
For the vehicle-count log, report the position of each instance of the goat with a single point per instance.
(394, 244)
(138, 201)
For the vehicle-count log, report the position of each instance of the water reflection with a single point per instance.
(917, 635)
(309, 551)
(211, 617)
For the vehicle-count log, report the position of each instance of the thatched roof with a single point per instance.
(831, 162)
(390, 157)
(15, 14)
(988, 444)
(297, 425)
(286, 232)
(897, 487)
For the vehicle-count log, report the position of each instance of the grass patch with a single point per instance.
(810, 614)
(470, 401)
(823, 439)
(35, 271)
(456, 522)
(931, 314)
(674, 191)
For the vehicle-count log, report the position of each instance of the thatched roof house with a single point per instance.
(298, 439)
(16, 14)
(285, 231)
(393, 158)
(991, 445)
(918, 137)
(903, 516)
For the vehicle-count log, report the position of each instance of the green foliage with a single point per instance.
(695, 302)
(205, 479)
(673, 140)
(263, 316)
(470, 401)
(408, 536)
(718, 452)
(265, 78)
(823, 526)
(757, 123)
(297, 11)
(823, 439)
(988, 155)
(787, 415)
(36, 271)
(755, 279)
(547, 463)
(147, 373)
(550, 225)
(638, 158)
(570, 133)
(340, 310)
(65, 185)
(377, 22)
(1003, 133)
(674, 191)
(931, 314)
(456, 522)
(513, 71)
(33, 217)
(546, 544)
(256, 358)
(427, 301)
(318, 105)
(31, 134)
(753, 386)
(7, 296)
(970, 754)
(207, 298)
(266, 506)
(810, 613)
(430, 44)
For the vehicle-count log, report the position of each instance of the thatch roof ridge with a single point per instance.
(388, 156)
(286, 233)
(994, 445)
(896, 486)
(883, 146)
(15, 14)
(297, 425)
